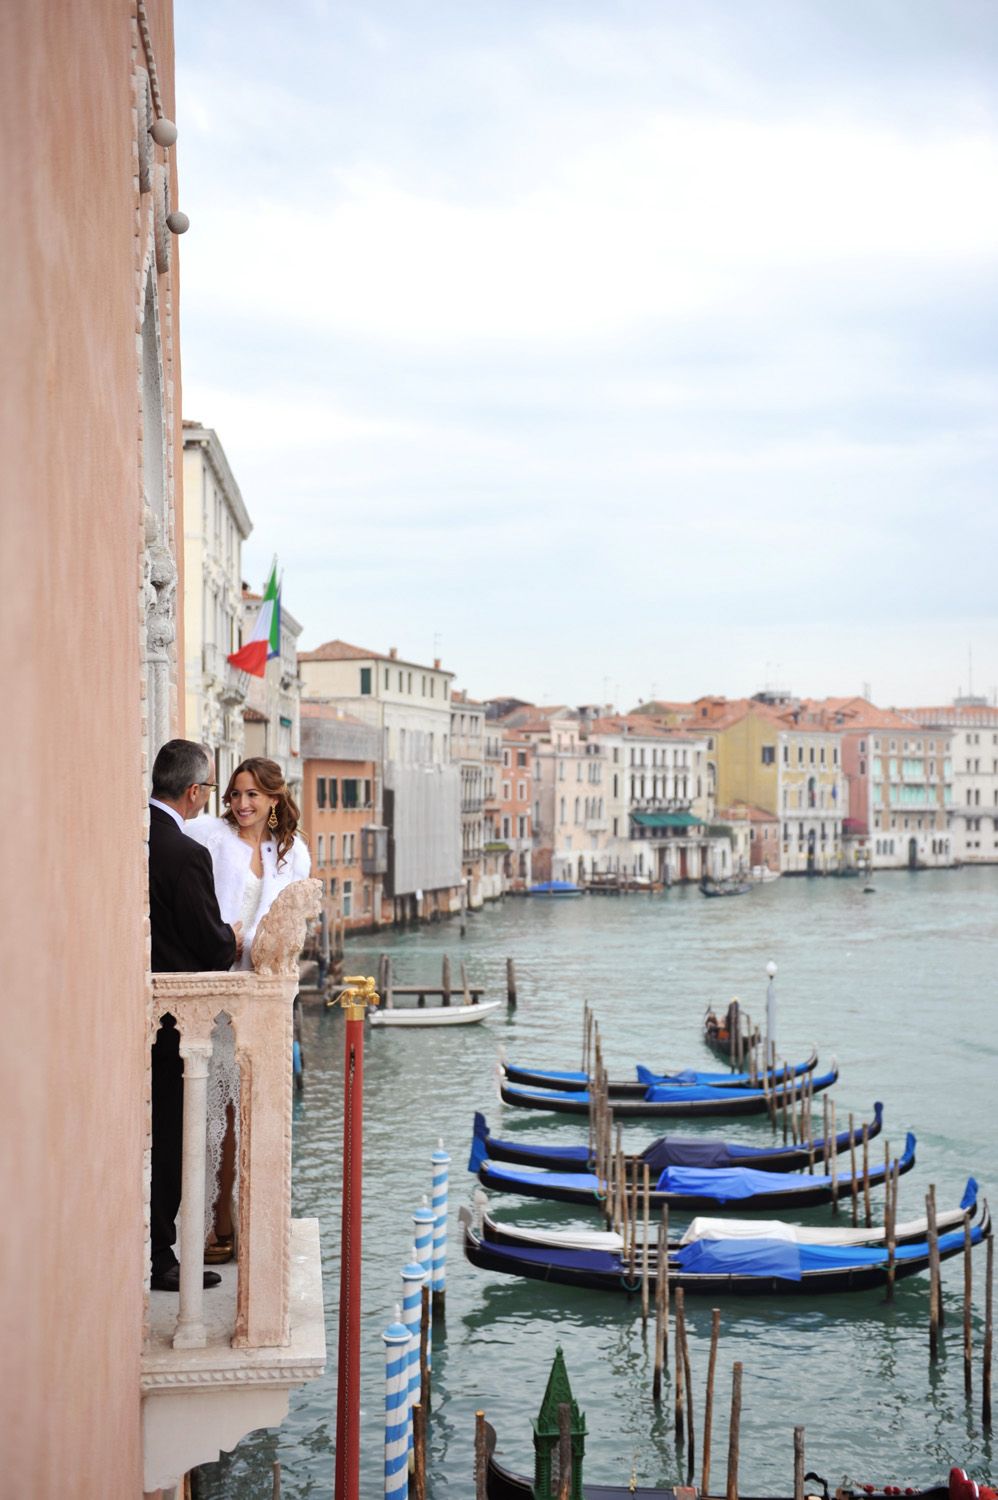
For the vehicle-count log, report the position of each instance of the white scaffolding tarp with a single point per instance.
(426, 826)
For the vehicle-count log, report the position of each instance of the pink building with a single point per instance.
(90, 430)
(96, 1397)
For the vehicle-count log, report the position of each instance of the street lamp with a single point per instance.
(771, 1017)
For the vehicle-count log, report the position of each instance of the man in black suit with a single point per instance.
(188, 935)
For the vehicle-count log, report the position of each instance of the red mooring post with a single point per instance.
(360, 993)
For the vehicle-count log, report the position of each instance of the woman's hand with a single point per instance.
(237, 928)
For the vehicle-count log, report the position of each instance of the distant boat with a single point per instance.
(436, 1015)
(555, 888)
(725, 888)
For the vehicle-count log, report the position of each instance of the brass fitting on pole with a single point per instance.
(359, 992)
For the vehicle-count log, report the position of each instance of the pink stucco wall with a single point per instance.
(72, 887)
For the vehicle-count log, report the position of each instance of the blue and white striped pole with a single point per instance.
(424, 1222)
(396, 1337)
(413, 1277)
(438, 1284)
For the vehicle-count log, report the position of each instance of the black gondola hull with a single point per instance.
(780, 1159)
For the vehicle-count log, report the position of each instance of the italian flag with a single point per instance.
(265, 641)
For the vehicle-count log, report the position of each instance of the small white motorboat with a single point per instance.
(432, 1015)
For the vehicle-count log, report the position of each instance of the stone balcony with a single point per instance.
(222, 1362)
(230, 685)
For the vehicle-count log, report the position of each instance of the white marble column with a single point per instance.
(190, 1330)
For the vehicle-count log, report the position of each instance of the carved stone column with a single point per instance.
(190, 1331)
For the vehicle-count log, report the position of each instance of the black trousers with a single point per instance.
(167, 1144)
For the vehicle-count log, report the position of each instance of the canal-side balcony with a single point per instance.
(221, 1362)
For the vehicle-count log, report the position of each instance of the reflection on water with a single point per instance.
(901, 986)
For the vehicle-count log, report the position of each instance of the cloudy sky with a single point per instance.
(607, 347)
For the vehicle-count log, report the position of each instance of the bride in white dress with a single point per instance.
(256, 850)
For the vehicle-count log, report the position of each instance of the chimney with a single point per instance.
(393, 652)
(436, 664)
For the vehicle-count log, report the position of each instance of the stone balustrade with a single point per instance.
(199, 1360)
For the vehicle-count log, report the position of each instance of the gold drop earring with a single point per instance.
(272, 820)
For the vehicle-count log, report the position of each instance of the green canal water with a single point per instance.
(901, 986)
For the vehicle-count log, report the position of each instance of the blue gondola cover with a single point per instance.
(727, 1185)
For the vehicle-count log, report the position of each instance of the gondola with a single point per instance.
(704, 1228)
(677, 1102)
(575, 1081)
(717, 1032)
(667, 1151)
(503, 1484)
(750, 1267)
(691, 1188)
(725, 888)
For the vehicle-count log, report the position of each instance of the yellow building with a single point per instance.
(775, 755)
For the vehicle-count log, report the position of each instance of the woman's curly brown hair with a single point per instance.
(270, 779)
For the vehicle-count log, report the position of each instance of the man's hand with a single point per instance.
(237, 928)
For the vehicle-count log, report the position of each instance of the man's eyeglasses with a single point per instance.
(211, 785)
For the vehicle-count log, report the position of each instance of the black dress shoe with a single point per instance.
(169, 1281)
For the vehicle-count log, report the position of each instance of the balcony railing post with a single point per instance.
(190, 1330)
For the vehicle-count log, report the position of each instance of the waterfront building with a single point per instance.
(96, 1399)
(898, 786)
(420, 795)
(467, 748)
(971, 727)
(216, 524)
(494, 848)
(272, 717)
(516, 803)
(340, 815)
(772, 753)
(661, 800)
(755, 838)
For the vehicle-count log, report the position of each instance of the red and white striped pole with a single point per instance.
(359, 993)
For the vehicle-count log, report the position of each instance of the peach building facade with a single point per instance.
(90, 427)
(339, 813)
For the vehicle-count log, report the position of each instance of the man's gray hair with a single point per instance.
(180, 764)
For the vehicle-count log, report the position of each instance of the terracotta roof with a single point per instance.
(857, 713)
(635, 724)
(749, 812)
(954, 713)
(313, 708)
(339, 651)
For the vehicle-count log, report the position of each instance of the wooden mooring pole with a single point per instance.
(731, 1489)
(852, 1166)
(930, 1214)
(866, 1175)
(645, 1246)
(798, 1463)
(510, 983)
(663, 1251)
(708, 1415)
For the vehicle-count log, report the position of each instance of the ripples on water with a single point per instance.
(901, 986)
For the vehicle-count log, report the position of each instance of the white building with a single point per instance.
(467, 748)
(661, 791)
(216, 524)
(409, 704)
(972, 813)
(272, 717)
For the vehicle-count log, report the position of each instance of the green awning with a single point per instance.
(667, 820)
